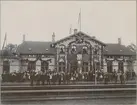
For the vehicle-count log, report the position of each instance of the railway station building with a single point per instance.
(77, 52)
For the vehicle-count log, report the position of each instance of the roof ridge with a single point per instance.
(37, 41)
(82, 33)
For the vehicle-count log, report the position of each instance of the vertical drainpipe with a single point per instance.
(90, 57)
(57, 55)
(66, 50)
(102, 57)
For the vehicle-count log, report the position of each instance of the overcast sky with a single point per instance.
(106, 20)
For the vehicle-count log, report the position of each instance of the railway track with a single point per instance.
(66, 92)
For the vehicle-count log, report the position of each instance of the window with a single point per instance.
(62, 49)
(44, 65)
(73, 50)
(95, 51)
(31, 65)
(109, 67)
(120, 66)
(30, 49)
(85, 50)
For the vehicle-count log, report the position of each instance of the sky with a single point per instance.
(106, 20)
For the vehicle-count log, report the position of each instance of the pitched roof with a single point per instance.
(35, 47)
(80, 33)
(7, 54)
(117, 49)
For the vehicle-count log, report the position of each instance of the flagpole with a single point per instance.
(70, 31)
(5, 41)
(80, 19)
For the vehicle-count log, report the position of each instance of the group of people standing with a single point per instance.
(54, 77)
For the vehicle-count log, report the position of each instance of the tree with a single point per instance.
(11, 48)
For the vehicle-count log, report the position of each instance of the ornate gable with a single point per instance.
(78, 38)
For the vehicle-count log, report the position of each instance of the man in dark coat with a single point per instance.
(43, 77)
(59, 78)
(122, 77)
(48, 78)
(32, 77)
(106, 78)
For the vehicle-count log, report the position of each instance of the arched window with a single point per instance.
(44, 65)
(95, 51)
(85, 50)
(73, 49)
(120, 66)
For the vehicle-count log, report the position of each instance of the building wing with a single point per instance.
(117, 49)
(35, 47)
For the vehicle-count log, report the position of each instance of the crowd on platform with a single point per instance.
(53, 77)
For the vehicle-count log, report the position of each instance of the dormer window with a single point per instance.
(52, 45)
(30, 49)
(47, 49)
(120, 50)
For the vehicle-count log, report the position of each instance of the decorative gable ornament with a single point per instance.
(61, 60)
(32, 59)
(79, 39)
(79, 56)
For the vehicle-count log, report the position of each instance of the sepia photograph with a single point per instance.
(68, 52)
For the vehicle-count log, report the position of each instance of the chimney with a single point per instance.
(75, 31)
(23, 37)
(53, 37)
(119, 41)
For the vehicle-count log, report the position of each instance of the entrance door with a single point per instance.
(121, 66)
(31, 65)
(85, 67)
(73, 67)
(44, 65)
(109, 67)
(61, 66)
